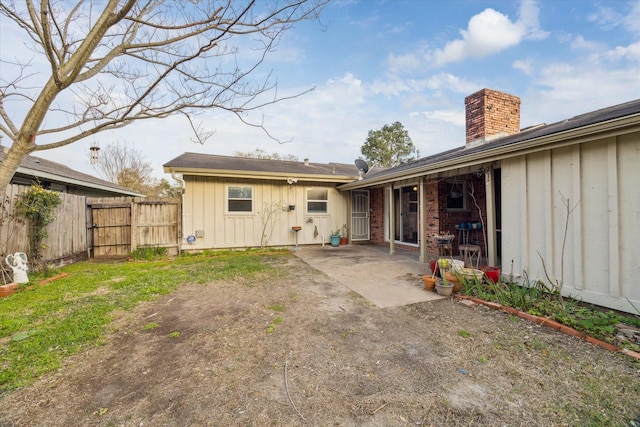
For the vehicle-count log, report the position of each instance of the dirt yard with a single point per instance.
(303, 350)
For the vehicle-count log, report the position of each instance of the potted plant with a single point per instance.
(343, 235)
(444, 238)
(455, 279)
(444, 288)
(491, 273)
(429, 281)
(334, 237)
(8, 289)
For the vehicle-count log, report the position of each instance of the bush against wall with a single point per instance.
(37, 206)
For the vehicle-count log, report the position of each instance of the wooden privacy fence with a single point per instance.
(95, 227)
(67, 235)
(119, 227)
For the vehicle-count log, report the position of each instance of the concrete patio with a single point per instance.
(384, 280)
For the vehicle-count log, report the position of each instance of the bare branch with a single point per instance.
(133, 60)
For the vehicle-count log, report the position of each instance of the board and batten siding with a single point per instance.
(206, 216)
(601, 181)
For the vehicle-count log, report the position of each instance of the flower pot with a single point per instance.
(450, 264)
(444, 290)
(433, 265)
(335, 240)
(471, 274)
(9, 289)
(454, 280)
(343, 240)
(429, 282)
(491, 273)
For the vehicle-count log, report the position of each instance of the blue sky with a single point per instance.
(376, 62)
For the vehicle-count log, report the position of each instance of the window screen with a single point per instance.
(317, 200)
(240, 199)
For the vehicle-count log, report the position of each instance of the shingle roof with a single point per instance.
(64, 174)
(580, 121)
(209, 163)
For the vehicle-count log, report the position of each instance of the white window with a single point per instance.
(317, 200)
(239, 199)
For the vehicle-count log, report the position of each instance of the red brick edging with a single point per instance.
(551, 324)
(51, 279)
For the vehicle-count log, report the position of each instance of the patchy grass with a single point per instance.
(537, 299)
(41, 325)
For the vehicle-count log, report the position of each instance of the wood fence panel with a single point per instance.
(157, 223)
(111, 226)
(67, 235)
(154, 223)
(13, 232)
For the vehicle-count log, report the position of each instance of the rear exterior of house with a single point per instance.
(553, 202)
(521, 190)
(574, 209)
(232, 202)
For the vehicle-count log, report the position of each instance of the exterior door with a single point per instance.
(360, 215)
(405, 215)
(111, 229)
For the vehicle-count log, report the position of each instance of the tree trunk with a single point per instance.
(17, 152)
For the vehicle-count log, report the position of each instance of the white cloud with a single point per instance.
(526, 66)
(564, 90)
(528, 15)
(396, 86)
(631, 52)
(608, 18)
(632, 19)
(490, 32)
(456, 117)
(580, 43)
(398, 64)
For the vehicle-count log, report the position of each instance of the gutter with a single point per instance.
(276, 176)
(80, 183)
(184, 186)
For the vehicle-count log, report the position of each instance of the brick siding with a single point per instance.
(490, 112)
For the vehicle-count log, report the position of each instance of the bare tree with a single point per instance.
(261, 154)
(116, 62)
(120, 163)
(120, 160)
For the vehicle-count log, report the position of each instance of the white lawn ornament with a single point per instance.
(18, 262)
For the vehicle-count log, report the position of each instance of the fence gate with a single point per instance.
(110, 229)
(119, 226)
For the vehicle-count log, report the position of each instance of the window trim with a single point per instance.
(228, 199)
(325, 201)
(465, 197)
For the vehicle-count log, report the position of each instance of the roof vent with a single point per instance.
(306, 162)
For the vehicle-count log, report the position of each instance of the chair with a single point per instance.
(468, 253)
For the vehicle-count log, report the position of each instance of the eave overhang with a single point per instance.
(76, 182)
(275, 176)
(615, 127)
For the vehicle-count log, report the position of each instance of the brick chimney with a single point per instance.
(490, 115)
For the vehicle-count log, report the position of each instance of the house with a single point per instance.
(58, 177)
(558, 200)
(235, 202)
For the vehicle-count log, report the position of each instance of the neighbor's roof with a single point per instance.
(36, 167)
(596, 124)
(244, 167)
